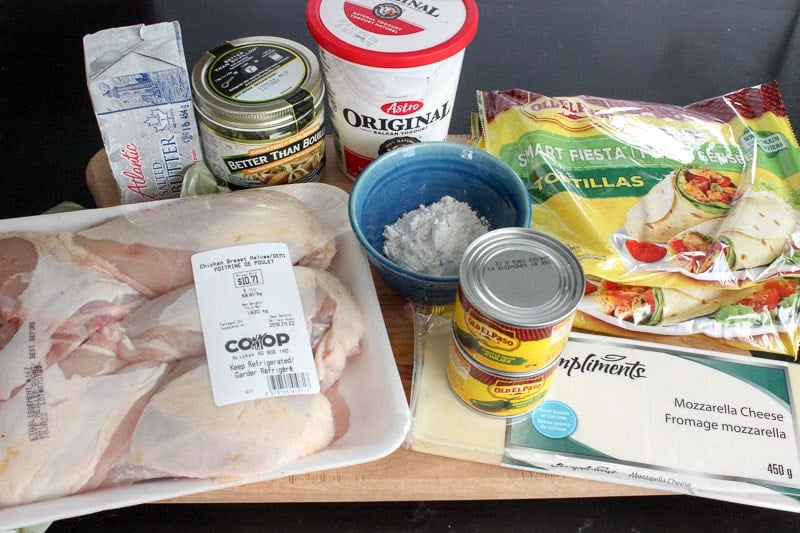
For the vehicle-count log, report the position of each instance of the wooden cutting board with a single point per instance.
(405, 474)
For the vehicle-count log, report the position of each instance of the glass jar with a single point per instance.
(260, 107)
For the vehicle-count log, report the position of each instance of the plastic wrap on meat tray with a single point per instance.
(100, 314)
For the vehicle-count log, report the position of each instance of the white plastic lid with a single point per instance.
(395, 33)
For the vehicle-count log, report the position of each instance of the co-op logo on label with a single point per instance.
(257, 342)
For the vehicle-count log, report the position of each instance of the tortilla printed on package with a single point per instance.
(654, 195)
(762, 317)
(655, 306)
(687, 196)
(754, 235)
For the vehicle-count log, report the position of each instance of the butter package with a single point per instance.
(140, 91)
(658, 416)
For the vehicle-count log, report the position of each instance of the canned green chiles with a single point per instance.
(517, 296)
(494, 393)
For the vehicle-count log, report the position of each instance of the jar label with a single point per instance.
(255, 73)
(293, 159)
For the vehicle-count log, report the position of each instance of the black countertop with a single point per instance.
(676, 51)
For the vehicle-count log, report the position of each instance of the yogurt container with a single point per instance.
(391, 71)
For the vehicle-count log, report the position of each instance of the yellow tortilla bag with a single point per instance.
(696, 208)
(616, 180)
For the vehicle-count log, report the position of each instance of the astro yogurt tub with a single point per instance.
(391, 70)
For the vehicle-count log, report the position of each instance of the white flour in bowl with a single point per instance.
(431, 239)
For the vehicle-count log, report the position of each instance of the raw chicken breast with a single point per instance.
(150, 248)
(50, 304)
(97, 355)
(183, 433)
(17, 260)
(165, 329)
(62, 435)
(168, 328)
(103, 375)
(335, 322)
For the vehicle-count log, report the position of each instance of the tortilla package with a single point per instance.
(692, 201)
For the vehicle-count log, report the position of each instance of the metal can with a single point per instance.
(260, 106)
(517, 295)
(493, 393)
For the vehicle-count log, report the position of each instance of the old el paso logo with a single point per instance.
(510, 389)
(402, 108)
(565, 106)
(566, 113)
(612, 364)
(257, 342)
(492, 337)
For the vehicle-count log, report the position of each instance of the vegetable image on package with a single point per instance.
(764, 316)
(695, 203)
(773, 304)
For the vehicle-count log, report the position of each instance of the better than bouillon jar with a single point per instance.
(260, 106)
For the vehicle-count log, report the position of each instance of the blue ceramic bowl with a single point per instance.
(421, 174)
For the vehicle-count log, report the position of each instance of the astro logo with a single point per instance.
(258, 342)
(402, 108)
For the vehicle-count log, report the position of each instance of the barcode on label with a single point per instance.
(294, 383)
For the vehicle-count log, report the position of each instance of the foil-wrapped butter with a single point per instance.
(140, 91)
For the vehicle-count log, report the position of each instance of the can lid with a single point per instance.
(258, 83)
(394, 34)
(522, 277)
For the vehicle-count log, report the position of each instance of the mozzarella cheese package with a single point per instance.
(658, 416)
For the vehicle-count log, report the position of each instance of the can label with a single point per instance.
(495, 394)
(505, 347)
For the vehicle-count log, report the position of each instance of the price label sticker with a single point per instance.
(254, 329)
